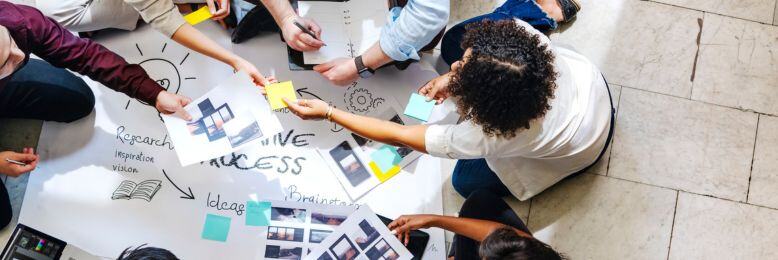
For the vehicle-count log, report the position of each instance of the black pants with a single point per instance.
(484, 205)
(44, 92)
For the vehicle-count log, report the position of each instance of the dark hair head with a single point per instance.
(507, 79)
(505, 243)
(146, 253)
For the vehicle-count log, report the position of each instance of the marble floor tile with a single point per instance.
(738, 64)
(775, 14)
(637, 44)
(601, 167)
(465, 9)
(754, 10)
(683, 144)
(711, 228)
(597, 217)
(764, 172)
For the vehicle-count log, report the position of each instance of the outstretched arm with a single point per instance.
(379, 130)
(475, 229)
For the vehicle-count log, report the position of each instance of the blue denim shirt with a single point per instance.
(410, 28)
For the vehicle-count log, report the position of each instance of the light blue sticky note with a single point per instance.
(419, 108)
(257, 213)
(386, 157)
(216, 227)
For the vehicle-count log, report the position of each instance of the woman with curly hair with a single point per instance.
(533, 114)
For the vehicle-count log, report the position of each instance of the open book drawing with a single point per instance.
(349, 28)
(131, 190)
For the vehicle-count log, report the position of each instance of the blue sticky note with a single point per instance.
(216, 227)
(257, 213)
(419, 108)
(386, 157)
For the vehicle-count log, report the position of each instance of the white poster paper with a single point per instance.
(231, 116)
(84, 163)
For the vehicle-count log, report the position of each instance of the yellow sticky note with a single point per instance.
(198, 16)
(384, 176)
(277, 92)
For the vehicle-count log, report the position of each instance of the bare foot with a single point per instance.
(552, 8)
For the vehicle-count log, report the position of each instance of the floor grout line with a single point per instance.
(687, 191)
(746, 110)
(753, 156)
(711, 12)
(672, 226)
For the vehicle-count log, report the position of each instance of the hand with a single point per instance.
(308, 108)
(221, 12)
(296, 38)
(402, 226)
(340, 71)
(243, 65)
(169, 103)
(14, 170)
(437, 88)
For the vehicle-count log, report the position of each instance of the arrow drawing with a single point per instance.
(302, 90)
(189, 196)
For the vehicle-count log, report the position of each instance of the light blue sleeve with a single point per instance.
(410, 28)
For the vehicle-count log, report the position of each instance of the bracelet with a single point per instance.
(329, 113)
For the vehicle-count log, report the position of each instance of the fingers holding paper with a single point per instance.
(308, 108)
(169, 103)
(437, 88)
(219, 9)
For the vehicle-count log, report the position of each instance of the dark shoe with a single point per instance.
(569, 9)
(256, 21)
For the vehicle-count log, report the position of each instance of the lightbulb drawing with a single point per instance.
(163, 71)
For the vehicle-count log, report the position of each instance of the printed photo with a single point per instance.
(365, 235)
(324, 219)
(381, 251)
(288, 215)
(347, 160)
(316, 236)
(285, 233)
(219, 122)
(283, 252)
(343, 249)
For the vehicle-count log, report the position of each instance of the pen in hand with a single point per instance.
(15, 162)
(307, 31)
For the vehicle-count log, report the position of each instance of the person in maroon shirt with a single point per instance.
(44, 90)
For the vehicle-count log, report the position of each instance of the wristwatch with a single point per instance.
(363, 71)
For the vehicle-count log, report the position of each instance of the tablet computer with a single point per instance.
(27, 243)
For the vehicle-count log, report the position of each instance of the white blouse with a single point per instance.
(567, 139)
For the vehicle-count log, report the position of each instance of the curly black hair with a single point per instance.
(505, 243)
(507, 79)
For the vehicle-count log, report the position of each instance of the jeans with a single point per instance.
(484, 205)
(44, 92)
(525, 10)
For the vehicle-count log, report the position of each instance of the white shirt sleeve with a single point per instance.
(468, 141)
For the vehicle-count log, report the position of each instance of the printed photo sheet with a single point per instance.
(297, 228)
(363, 237)
(231, 116)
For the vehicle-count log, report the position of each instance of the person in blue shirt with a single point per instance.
(407, 31)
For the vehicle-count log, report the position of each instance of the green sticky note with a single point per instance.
(257, 213)
(419, 108)
(216, 227)
(386, 157)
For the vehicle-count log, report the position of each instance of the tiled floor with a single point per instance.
(693, 168)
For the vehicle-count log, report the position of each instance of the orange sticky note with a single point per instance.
(198, 16)
(384, 176)
(277, 92)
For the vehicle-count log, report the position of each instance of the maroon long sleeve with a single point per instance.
(37, 34)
